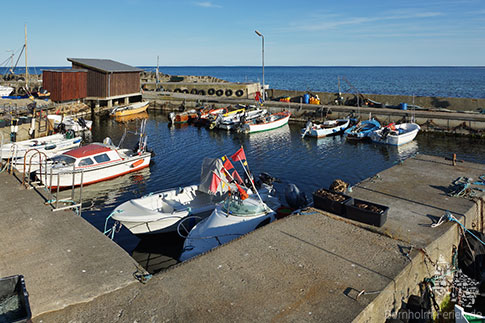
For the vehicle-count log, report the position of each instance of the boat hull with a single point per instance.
(50, 145)
(406, 133)
(319, 132)
(136, 108)
(266, 126)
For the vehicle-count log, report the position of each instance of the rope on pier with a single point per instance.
(113, 229)
(448, 217)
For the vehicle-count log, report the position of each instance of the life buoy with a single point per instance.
(228, 92)
(211, 91)
(194, 91)
(219, 92)
(239, 93)
(137, 163)
(201, 92)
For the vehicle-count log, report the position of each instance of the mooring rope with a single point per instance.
(448, 217)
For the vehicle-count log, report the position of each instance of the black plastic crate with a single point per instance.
(14, 300)
(329, 205)
(366, 216)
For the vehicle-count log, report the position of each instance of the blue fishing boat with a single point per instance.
(362, 129)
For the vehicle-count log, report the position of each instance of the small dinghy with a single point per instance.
(240, 119)
(395, 135)
(65, 123)
(129, 109)
(325, 129)
(266, 123)
(362, 130)
(230, 220)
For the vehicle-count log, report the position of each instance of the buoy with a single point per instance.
(137, 163)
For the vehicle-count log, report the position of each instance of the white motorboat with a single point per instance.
(395, 134)
(239, 119)
(265, 123)
(5, 90)
(161, 211)
(50, 145)
(93, 163)
(65, 123)
(325, 129)
(230, 220)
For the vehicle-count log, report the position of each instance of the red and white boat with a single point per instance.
(93, 163)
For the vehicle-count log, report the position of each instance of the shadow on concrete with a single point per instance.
(437, 103)
(444, 189)
(338, 256)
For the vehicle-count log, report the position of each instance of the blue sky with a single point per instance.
(216, 32)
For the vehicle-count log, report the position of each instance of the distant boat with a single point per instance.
(395, 134)
(239, 119)
(325, 129)
(270, 122)
(362, 129)
(130, 109)
(65, 123)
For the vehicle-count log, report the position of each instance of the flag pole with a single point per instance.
(255, 190)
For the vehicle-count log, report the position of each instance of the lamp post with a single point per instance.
(262, 55)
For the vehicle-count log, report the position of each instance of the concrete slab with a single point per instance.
(64, 259)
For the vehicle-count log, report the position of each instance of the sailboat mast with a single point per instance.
(158, 81)
(26, 66)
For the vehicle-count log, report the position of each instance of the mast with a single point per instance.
(158, 57)
(26, 67)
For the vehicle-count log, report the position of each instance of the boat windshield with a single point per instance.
(63, 160)
(248, 207)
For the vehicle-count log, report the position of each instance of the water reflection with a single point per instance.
(131, 117)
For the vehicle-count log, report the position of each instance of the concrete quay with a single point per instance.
(307, 267)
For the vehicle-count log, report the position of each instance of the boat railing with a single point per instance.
(54, 181)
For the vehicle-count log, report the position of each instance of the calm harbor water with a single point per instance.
(446, 81)
(308, 163)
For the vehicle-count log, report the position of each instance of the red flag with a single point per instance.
(227, 163)
(239, 155)
(214, 183)
(244, 195)
(236, 176)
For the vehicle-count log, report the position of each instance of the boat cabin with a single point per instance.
(87, 156)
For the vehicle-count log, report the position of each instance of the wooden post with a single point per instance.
(454, 160)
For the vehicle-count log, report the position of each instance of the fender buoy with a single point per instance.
(201, 92)
(137, 163)
(239, 93)
(211, 91)
(219, 92)
(194, 91)
(228, 92)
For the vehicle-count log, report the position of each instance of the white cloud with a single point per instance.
(207, 4)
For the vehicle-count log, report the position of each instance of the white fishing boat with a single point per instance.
(266, 123)
(5, 90)
(94, 163)
(65, 123)
(230, 220)
(161, 211)
(325, 129)
(236, 120)
(395, 134)
(50, 145)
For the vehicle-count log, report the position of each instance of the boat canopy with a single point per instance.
(211, 166)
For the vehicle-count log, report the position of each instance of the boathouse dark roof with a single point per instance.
(104, 65)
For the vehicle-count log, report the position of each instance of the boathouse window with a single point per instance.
(86, 162)
(102, 158)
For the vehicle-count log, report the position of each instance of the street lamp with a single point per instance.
(262, 55)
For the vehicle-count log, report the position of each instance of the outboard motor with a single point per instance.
(267, 178)
(295, 198)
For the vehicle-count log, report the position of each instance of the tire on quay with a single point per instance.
(239, 93)
(185, 91)
(201, 92)
(211, 91)
(219, 92)
(194, 91)
(228, 92)
(177, 90)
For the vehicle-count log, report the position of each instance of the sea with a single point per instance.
(308, 163)
(441, 81)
